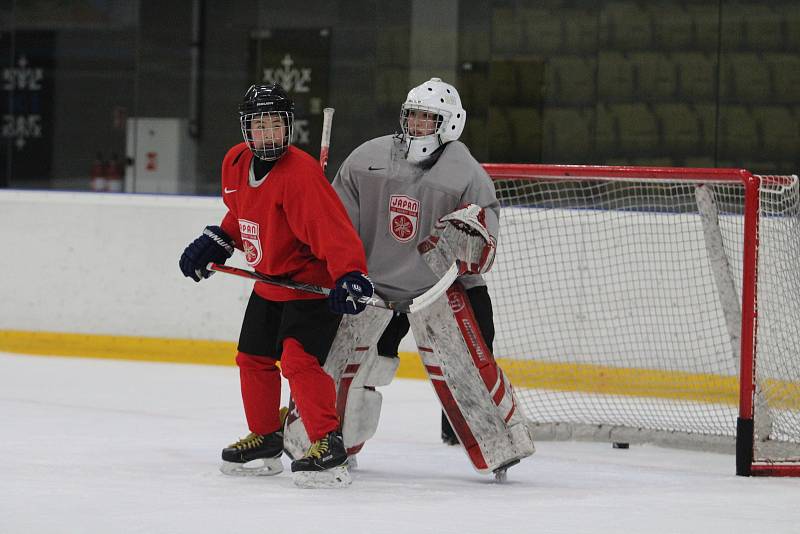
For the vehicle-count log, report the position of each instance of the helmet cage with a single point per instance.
(433, 124)
(265, 140)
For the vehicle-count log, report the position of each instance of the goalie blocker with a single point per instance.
(476, 396)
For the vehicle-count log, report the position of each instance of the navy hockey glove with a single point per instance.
(350, 287)
(213, 245)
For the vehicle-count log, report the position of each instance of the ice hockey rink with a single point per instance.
(91, 446)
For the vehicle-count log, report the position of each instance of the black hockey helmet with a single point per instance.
(263, 103)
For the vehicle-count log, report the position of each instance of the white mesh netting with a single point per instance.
(616, 320)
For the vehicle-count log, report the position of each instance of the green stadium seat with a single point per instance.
(500, 136)
(615, 77)
(606, 133)
(705, 18)
(733, 24)
(475, 137)
(680, 128)
(697, 75)
(780, 130)
(392, 46)
(580, 30)
(707, 117)
(762, 27)
(567, 135)
(745, 78)
(738, 133)
(625, 26)
(673, 28)
(638, 129)
(506, 31)
(570, 80)
(503, 83)
(526, 125)
(473, 86)
(542, 30)
(657, 76)
(790, 11)
(785, 70)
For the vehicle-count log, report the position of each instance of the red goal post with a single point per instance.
(653, 304)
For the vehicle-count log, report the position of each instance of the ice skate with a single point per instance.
(448, 434)
(254, 455)
(324, 465)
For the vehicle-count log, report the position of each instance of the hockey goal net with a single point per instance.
(640, 304)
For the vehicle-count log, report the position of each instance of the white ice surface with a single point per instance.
(94, 446)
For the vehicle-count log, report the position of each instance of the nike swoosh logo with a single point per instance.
(376, 168)
(230, 190)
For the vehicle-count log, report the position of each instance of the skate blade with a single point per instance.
(336, 477)
(262, 467)
(352, 462)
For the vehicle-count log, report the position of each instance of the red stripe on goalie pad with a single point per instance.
(433, 370)
(459, 423)
(511, 412)
(345, 382)
(481, 355)
(500, 393)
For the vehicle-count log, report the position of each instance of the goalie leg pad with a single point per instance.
(475, 394)
(356, 335)
(358, 402)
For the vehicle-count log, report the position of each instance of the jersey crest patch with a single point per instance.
(403, 217)
(251, 243)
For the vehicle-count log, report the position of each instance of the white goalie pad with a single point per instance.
(476, 396)
(356, 369)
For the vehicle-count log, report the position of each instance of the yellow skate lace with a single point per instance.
(251, 441)
(318, 448)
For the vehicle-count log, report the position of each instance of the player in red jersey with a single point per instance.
(289, 222)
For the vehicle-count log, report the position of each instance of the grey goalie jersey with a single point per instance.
(394, 204)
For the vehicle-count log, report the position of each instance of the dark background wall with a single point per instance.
(675, 82)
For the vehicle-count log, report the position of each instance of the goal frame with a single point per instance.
(746, 465)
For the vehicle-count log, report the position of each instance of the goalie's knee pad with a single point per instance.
(350, 364)
(473, 390)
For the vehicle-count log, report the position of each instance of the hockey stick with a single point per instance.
(403, 306)
(327, 121)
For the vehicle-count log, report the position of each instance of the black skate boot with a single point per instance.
(324, 465)
(448, 434)
(263, 451)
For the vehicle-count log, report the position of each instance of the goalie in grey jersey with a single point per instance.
(420, 189)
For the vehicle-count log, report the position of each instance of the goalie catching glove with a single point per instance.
(460, 236)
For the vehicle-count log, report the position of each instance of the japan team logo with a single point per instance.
(403, 217)
(456, 301)
(251, 244)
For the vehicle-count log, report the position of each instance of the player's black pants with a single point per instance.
(398, 327)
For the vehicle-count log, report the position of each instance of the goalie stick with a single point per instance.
(403, 306)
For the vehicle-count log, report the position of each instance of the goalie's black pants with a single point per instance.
(398, 328)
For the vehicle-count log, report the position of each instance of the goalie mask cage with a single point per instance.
(645, 304)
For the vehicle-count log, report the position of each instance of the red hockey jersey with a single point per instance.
(291, 225)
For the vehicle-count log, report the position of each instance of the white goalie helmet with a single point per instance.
(430, 117)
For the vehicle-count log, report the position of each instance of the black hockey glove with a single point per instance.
(213, 245)
(350, 287)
